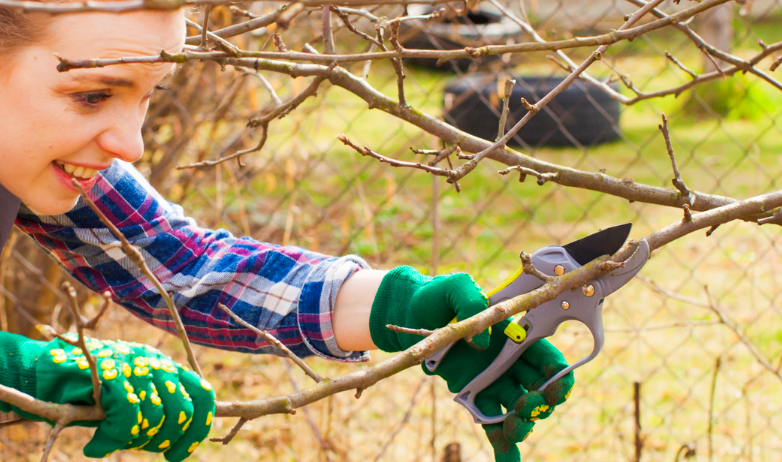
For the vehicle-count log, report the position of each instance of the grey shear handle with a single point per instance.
(546, 260)
(584, 306)
(546, 324)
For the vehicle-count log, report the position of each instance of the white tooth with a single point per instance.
(68, 168)
(79, 171)
(88, 173)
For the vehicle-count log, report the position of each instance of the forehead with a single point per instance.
(108, 35)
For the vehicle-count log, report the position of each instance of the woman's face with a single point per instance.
(57, 126)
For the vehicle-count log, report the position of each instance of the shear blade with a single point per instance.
(604, 242)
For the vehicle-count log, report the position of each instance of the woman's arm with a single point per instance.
(287, 291)
(351, 311)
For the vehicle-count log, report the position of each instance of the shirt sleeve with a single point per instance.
(288, 291)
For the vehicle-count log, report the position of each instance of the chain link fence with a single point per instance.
(690, 368)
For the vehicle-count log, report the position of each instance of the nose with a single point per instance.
(122, 138)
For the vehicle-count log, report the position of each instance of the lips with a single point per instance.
(66, 178)
(76, 171)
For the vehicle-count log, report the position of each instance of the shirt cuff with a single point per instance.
(316, 308)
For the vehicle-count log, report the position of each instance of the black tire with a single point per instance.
(582, 115)
(483, 26)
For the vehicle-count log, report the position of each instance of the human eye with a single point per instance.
(91, 99)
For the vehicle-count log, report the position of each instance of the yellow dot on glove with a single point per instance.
(182, 417)
(140, 361)
(107, 364)
(140, 417)
(171, 387)
(110, 374)
(192, 447)
(133, 398)
(543, 407)
(83, 364)
(209, 419)
(184, 392)
(187, 424)
(105, 353)
(154, 363)
(77, 351)
(128, 387)
(164, 444)
(126, 369)
(60, 359)
(567, 395)
(57, 352)
(144, 424)
(152, 431)
(134, 431)
(206, 385)
(142, 395)
(141, 371)
(155, 399)
(122, 349)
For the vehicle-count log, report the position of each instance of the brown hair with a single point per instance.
(18, 29)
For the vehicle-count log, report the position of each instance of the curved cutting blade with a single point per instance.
(604, 242)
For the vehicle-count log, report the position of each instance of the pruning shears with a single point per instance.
(583, 305)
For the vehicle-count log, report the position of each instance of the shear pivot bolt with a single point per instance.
(559, 270)
(565, 305)
(588, 290)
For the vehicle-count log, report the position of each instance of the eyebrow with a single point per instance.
(115, 81)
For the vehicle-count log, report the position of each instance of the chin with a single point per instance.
(55, 207)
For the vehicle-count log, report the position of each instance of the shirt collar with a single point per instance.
(9, 208)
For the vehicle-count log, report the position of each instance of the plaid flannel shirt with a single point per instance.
(287, 291)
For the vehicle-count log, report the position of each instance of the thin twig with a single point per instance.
(404, 421)
(365, 151)
(80, 321)
(742, 338)
(328, 35)
(677, 181)
(50, 442)
(680, 65)
(273, 340)
(324, 444)
(639, 442)
(135, 256)
(224, 44)
(12, 422)
(710, 430)
(543, 178)
(398, 64)
(529, 268)
(509, 83)
(775, 219)
(92, 324)
(405, 330)
(205, 28)
(234, 431)
(346, 20)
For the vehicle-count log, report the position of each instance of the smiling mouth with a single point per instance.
(74, 171)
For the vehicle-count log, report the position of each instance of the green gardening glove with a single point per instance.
(409, 299)
(150, 402)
